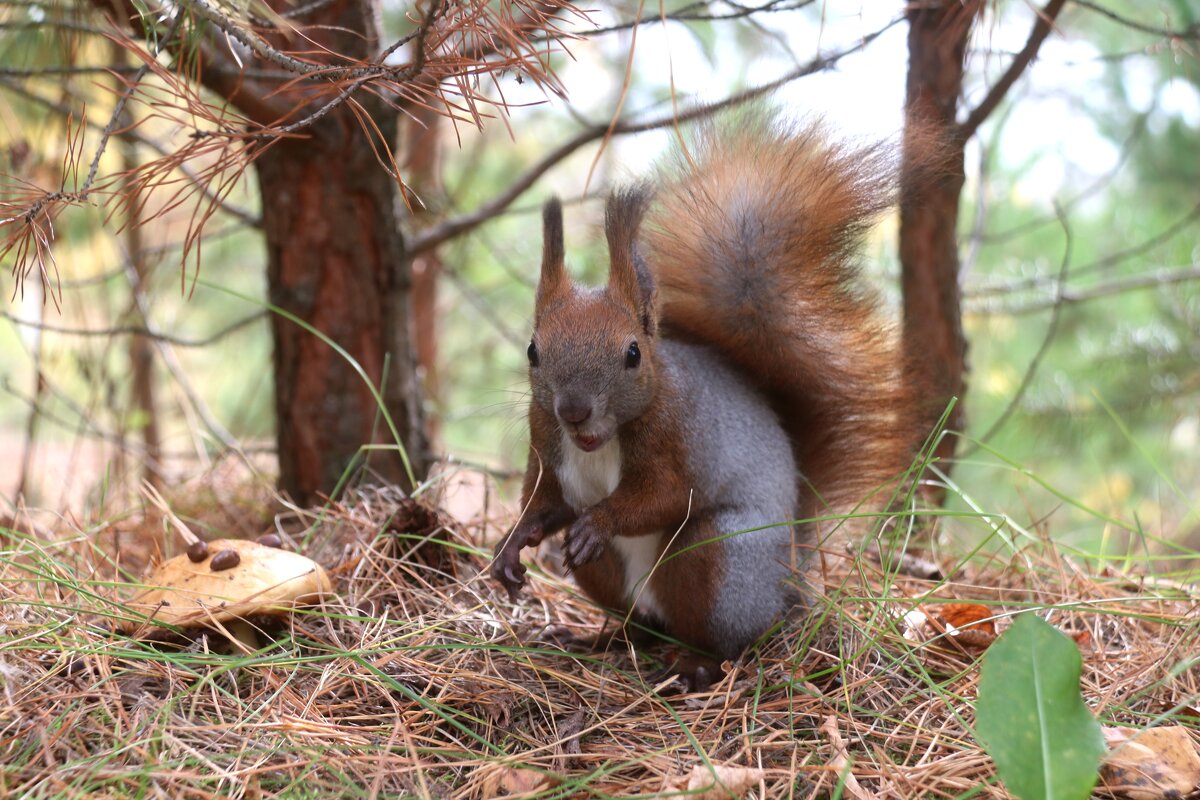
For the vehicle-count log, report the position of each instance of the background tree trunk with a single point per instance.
(141, 348)
(422, 168)
(933, 337)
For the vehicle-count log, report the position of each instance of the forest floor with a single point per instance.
(417, 677)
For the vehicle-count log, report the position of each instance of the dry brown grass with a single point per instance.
(421, 679)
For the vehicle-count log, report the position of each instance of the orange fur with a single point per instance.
(755, 248)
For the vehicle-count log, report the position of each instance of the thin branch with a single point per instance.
(1097, 58)
(278, 131)
(259, 46)
(1041, 29)
(31, 422)
(80, 195)
(979, 224)
(177, 372)
(460, 225)
(57, 24)
(305, 9)
(1107, 261)
(207, 61)
(1051, 332)
(1101, 181)
(292, 13)
(688, 13)
(489, 315)
(119, 109)
(85, 424)
(136, 330)
(418, 65)
(420, 35)
(1164, 276)
(1190, 32)
(43, 72)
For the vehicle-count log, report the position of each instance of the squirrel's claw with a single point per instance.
(584, 544)
(514, 580)
(508, 571)
(514, 577)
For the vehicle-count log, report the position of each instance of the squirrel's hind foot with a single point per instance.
(611, 637)
(693, 673)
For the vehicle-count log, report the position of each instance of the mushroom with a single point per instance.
(222, 582)
(237, 579)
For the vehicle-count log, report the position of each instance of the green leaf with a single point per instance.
(1031, 718)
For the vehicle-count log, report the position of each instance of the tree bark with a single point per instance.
(934, 345)
(336, 259)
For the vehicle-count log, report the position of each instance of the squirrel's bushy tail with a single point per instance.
(755, 241)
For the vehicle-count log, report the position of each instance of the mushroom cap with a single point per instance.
(266, 580)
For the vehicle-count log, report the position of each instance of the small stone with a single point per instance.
(225, 559)
(197, 551)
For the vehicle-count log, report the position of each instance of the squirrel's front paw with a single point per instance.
(585, 541)
(507, 569)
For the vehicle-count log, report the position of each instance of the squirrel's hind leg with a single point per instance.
(720, 592)
(603, 580)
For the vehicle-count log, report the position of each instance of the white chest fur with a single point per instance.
(588, 478)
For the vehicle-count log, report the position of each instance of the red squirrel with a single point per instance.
(731, 382)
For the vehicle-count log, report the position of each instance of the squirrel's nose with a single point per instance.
(572, 410)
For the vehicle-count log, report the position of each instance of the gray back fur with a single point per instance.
(742, 461)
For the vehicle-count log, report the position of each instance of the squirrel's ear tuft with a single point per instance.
(554, 276)
(629, 277)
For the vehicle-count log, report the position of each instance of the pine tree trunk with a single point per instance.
(933, 337)
(336, 260)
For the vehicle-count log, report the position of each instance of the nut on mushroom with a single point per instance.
(264, 580)
(197, 551)
(226, 558)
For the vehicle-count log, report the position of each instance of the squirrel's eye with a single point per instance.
(633, 356)
(533, 354)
